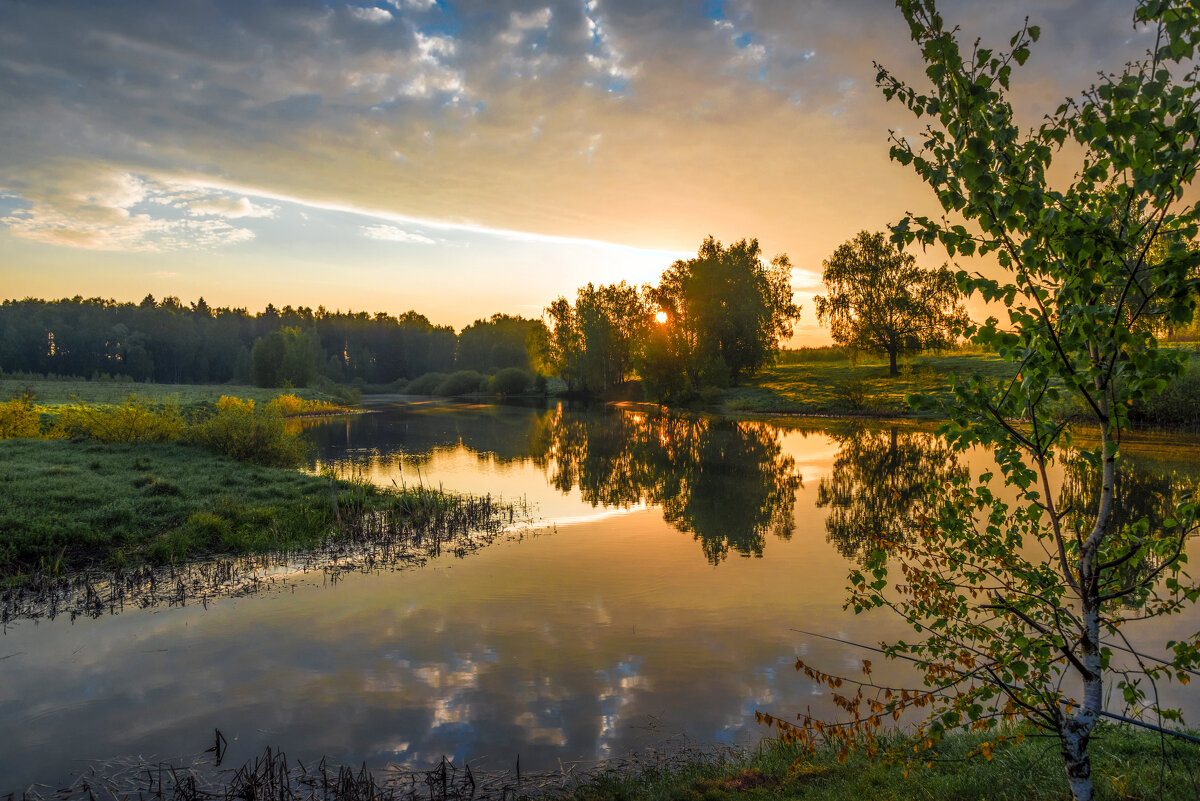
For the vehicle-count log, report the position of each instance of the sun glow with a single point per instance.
(661, 318)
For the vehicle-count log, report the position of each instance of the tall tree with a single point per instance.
(595, 342)
(728, 309)
(880, 301)
(1023, 604)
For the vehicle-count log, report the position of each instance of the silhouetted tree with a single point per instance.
(880, 301)
(727, 310)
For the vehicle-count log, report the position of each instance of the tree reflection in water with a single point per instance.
(726, 482)
(878, 479)
(1144, 497)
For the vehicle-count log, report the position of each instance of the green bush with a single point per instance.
(1177, 405)
(136, 420)
(426, 384)
(510, 381)
(464, 382)
(261, 436)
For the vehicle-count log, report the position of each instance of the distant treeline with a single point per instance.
(169, 342)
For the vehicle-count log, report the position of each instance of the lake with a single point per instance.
(656, 594)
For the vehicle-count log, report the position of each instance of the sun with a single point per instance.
(661, 318)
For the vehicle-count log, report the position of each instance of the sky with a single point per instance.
(467, 157)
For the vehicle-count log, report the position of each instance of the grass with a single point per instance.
(66, 391)
(1126, 765)
(827, 386)
(69, 505)
(812, 381)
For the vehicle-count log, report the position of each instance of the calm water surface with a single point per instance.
(656, 597)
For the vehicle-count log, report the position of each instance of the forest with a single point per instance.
(169, 341)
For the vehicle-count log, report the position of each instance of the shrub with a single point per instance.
(19, 418)
(135, 420)
(426, 384)
(510, 381)
(291, 405)
(262, 436)
(1177, 405)
(464, 382)
(853, 394)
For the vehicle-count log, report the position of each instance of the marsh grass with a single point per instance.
(1130, 765)
(67, 507)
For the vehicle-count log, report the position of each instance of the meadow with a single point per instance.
(71, 505)
(823, 381)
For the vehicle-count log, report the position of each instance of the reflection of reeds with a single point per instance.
(418, 524)
(271, 776)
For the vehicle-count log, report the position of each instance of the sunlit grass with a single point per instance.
(826, 385)
(1127, 765)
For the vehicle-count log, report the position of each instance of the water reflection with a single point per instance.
(1145, 495)
(727, 483)
(878, 477)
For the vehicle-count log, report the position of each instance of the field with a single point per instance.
(822, 381)
(830, 384)
(62, 391)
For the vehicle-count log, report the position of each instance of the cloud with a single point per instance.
(228, 207)
(371, 14)
(757, 119)
(104, 208)
(412, 5)
(390, 233)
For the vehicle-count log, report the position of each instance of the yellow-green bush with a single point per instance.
(19, 419)
(261, 436)
(135, 420)
(291, 405)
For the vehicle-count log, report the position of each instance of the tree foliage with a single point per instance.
(500, 342)
(1024, 606)
(595, 341)
(726, 310)
(880, 301)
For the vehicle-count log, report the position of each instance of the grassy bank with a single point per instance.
(67, 505)
(1127, 764)
(818, 381)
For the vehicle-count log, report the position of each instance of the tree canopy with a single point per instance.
(728, 309)
(880, 301)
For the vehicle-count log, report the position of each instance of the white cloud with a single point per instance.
(96, 209)
(390, 233)
(519, 23)
(228, 207)
(412, 5)
(371, 14)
